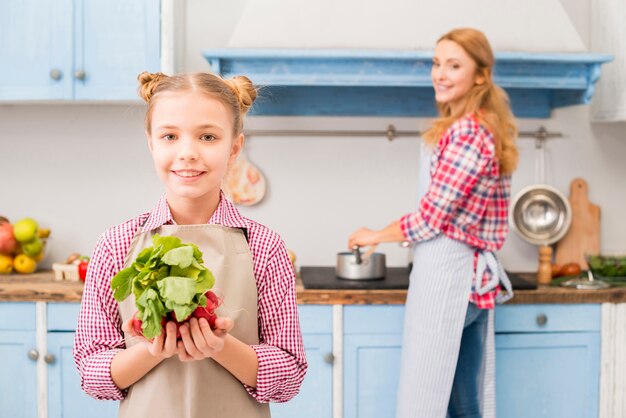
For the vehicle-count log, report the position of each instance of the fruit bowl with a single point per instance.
(607, 265)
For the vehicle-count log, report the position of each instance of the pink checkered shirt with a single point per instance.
(282, 362)
(467, 200)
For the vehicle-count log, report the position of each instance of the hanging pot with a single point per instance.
(541, 215)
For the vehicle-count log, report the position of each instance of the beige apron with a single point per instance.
(196, 389)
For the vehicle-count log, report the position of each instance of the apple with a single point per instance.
(8, 244)
(24, 264)
(6, 264)
(25, 229)
(32, 248)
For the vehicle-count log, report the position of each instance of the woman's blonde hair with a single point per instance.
(486, 101)
(237, 94)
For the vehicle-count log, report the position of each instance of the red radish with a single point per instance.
(135, 324)
(208, 313)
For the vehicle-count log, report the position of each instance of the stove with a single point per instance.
(396, 278)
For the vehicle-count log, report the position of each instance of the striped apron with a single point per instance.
(437, 300)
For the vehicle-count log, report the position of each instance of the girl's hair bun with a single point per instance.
(148, 83)
(244, 91)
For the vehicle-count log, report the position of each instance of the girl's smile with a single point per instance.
(192, 144)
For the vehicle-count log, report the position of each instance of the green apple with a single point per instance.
(32, 248)
(25, 230)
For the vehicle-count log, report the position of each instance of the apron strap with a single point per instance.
(487, 260)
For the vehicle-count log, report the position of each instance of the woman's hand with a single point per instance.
(367, 237)
(363, 237)
(199, 341)
(163, 345)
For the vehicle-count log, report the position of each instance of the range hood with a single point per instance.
(333, 82)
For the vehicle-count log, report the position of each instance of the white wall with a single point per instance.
(80, 169)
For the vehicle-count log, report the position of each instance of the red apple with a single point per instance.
(8, 243)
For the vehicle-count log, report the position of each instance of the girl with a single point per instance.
(460, 222)
(194, 127)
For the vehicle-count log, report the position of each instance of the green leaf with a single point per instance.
(179, 290)
(166, 243)
(122, 283)
(181, 257)
(152, 313)
(144, 255)
(205, 281)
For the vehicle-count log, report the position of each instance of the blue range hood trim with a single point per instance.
(397, 83)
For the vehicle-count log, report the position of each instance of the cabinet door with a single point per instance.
(372, 350)
(119, 39)
(35, 49)
(315, 397)
(65, 397)
(18, 372)
(547, 375)
(18, 376)
(372, 367)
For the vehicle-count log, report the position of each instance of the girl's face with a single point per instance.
(192, 143)
(453, 73)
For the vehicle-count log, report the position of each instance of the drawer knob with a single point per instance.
(56, 74)
(33, 354)
(80, 75)
(329, 358)
(49, 358)
(542, 319)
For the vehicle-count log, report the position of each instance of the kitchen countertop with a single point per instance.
(42, 287)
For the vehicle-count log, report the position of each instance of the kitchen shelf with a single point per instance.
(397, 83)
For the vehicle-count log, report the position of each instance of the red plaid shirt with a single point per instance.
(282, 362)
(467, 200)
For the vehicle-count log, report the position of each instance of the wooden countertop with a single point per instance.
(42, 287)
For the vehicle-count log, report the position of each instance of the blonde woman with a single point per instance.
(467, 157)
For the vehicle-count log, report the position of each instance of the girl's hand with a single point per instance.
(363, 237)
(199, 341)
(162, 346)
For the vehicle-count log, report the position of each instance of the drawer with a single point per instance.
(18, 316)
(62, 316)
(373, 319)
(548, 318)
(316, 319)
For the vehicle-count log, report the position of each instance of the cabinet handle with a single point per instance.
(542, 319)
(56, 74)
(33, 354)
(80, 75)
(329, 358)
(49, 358)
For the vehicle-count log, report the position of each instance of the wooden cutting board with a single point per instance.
(583, 236)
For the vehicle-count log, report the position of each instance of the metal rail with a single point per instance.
(391, 133)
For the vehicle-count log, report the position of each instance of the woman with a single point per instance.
(468, 156)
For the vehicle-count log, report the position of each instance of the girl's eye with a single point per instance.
(435, 64)
(169, 137)
(208, 137)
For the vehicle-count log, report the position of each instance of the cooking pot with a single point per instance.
(353, 266)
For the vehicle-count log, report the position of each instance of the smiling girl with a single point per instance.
(467, 158)
(194, 125)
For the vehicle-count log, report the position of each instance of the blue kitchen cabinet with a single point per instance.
(548, 361)
(18, 376)
(315, 397)
(65, 397)
(372, 348)
(77, 50)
